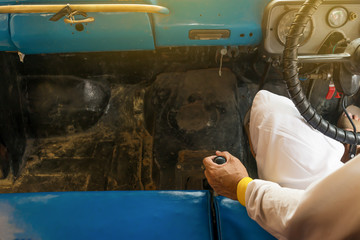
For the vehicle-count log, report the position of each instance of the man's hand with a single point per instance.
(224, 178)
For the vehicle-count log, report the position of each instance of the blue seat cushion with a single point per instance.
(233, 221)
(106, 215)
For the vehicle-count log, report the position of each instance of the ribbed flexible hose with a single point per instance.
(291, 77)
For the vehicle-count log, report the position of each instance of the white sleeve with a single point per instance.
(271, 205)
(328, 209)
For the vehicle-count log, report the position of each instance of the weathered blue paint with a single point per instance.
(106, 215)
(34, 33)
(5, 39)
(233, 221)
(242, 17)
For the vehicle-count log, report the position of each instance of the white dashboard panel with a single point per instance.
(321, 28)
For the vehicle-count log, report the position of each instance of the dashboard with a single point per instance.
(331, 17)
(127, 25)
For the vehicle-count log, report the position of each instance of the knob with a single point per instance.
(219, 160)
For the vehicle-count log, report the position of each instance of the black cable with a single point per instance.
(311, 88)
(352, 150)
(265, 75)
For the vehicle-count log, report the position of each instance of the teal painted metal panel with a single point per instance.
(242, 17)
(5, 39)
(151, 215)
(34, 33)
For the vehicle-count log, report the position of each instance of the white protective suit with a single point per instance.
(297, 157)
(288, 150)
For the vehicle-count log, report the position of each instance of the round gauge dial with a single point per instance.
(337, 17)
(284, 26)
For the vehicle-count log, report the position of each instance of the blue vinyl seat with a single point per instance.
(151, 215)
(106, 215)
(233, 222)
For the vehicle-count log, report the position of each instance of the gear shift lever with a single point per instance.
(219, 160)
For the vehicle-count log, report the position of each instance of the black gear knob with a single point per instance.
(219, 160)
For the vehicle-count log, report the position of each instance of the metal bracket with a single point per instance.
(70, 14)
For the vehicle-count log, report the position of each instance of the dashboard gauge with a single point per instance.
(284, 26)
(337, 17)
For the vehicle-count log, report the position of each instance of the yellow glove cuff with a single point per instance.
(241, 189)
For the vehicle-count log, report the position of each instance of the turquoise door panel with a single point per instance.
(34, 33)
(241, 17)
(5, 40)
(151, 215)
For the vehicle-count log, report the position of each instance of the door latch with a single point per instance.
(70, 14)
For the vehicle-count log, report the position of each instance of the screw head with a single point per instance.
(352, 16)
(79, 27)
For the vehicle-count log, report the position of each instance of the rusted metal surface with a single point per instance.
(108, 156)
(120, 125)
